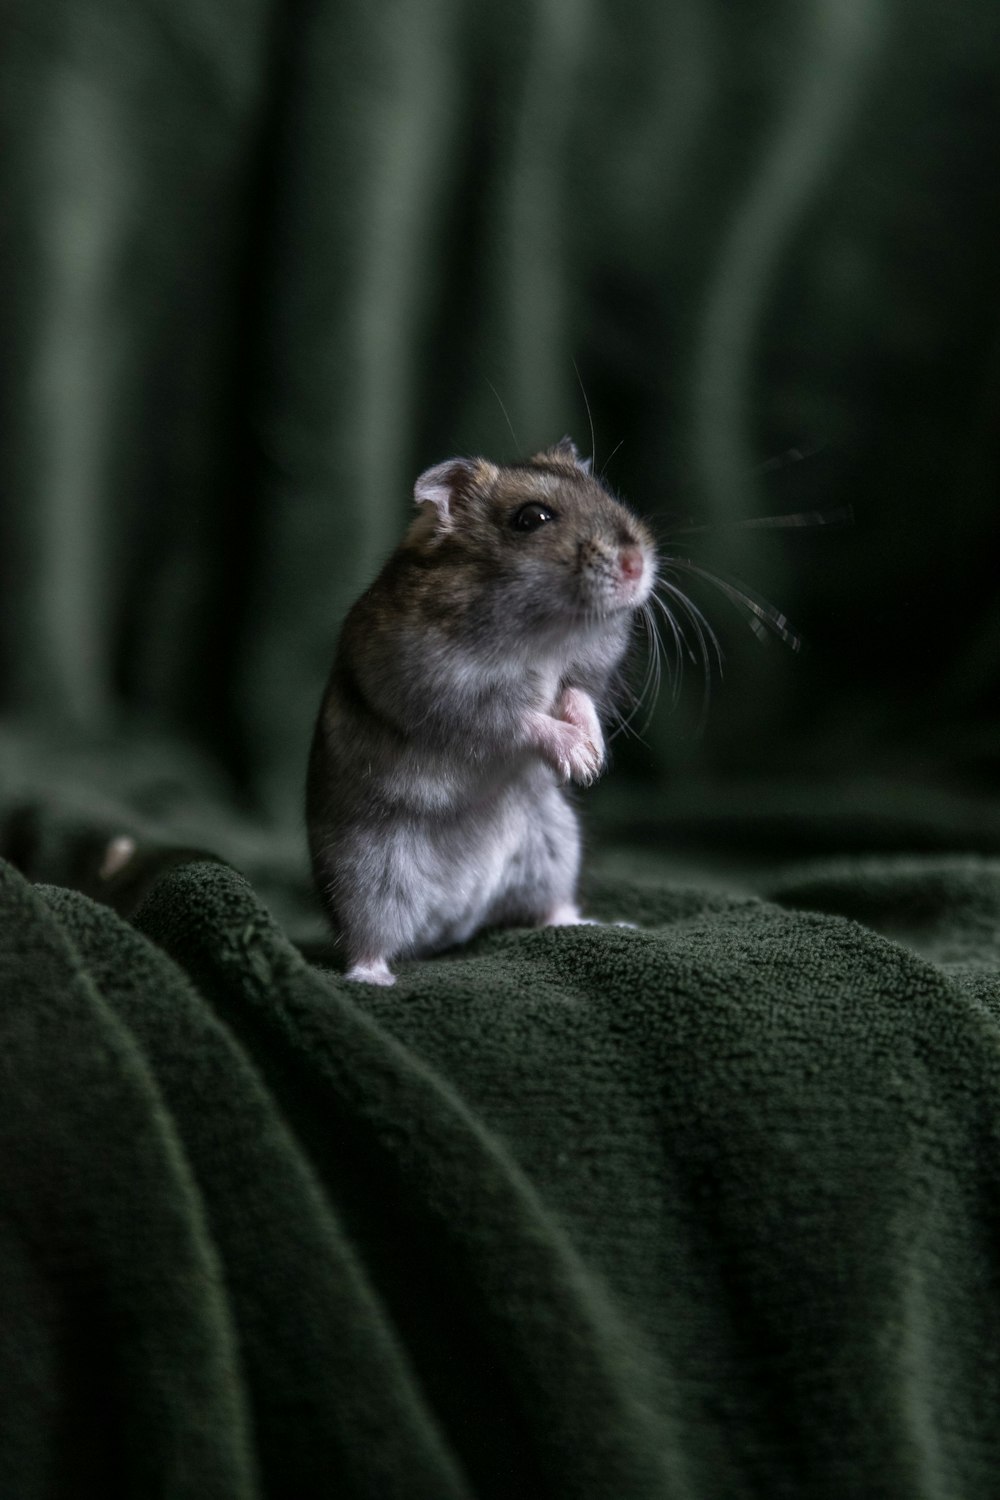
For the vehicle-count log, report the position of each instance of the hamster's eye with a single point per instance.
(531, 516)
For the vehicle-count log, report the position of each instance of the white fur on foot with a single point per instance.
(568, 915)
(372, 971)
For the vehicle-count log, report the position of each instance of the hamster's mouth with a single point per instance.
(612, 588)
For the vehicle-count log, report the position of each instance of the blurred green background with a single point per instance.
(262, 263)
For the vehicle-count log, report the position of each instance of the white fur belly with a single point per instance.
(462, 874)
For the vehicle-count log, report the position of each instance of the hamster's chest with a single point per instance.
(479, 748)
(459, 778)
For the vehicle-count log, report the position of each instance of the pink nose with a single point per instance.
(630, 562)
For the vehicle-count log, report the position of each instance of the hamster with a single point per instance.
(467, 691)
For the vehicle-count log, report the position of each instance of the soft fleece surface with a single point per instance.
(705, 1208)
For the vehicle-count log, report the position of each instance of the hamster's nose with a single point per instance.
(631, 563)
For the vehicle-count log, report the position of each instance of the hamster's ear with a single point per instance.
(444, 491)
(565, 455)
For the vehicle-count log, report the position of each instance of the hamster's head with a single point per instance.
(545, 537)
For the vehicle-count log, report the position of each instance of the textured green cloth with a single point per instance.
(705, 1208)
(708, 1207)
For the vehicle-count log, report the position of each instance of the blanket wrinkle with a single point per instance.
(315, 1343)
(131, 1322)
(432, 1178)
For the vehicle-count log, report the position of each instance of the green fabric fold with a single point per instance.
(701, 1207)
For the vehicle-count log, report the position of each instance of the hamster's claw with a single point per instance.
(570, 749)
(584, 762)
(576, 710)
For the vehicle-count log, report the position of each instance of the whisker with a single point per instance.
(590, 419)
(704, 634)
(654, 674)
(604, 466)
(650, 673)
(834, 515)
(623, 720)
(660, 654)
(703, 630)
(699, 636)
(650, 679)
(503, 408)
(691, 632)
(681, 648)
(738, 593)
(776, 462)
(746, 612)
(789, 457)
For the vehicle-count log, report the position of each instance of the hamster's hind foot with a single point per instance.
(371, 971)
(568, 915)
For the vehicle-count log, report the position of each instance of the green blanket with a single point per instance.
(700, 1208)
(703, 1208)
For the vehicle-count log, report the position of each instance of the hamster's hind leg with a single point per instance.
(540, 886)
(374, 896)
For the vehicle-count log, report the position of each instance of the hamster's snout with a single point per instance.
(614, 572)
(635, 570)
(631, 563)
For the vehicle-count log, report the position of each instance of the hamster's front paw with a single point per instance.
(576, 708)
(571, 743)
(571, 752)
(584, 759)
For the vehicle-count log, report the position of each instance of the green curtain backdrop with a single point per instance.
(262, 263)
